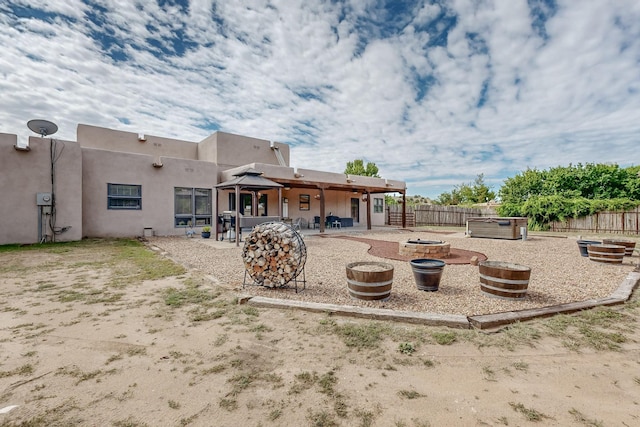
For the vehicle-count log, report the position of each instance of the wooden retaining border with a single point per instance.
(450, 320)
(485, 322)
(498, 320)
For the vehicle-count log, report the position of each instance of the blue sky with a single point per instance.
(432, 92)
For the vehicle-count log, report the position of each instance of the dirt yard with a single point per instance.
(110, 333)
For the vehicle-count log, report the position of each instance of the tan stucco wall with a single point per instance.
(229, 150)
(310, 176)
(115, 140)
(336, 203)
(207, 148)
(103, 167)
(23, 174)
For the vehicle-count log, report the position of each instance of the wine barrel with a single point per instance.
(611, 254)
(369, 280)
(629, 245)
(504, 279)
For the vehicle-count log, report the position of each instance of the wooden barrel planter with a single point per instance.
(427, 273)
(582, 246)
(629, 245)
(369, 280)
(610, 254)
(504, 279)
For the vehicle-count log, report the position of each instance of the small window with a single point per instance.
(124, 196)
(305, 202)
(378, 205)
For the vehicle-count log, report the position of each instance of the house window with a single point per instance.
(378, 205)
(192, 207)
(124, 196)
(305, 202)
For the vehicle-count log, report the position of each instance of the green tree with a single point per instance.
(357, 167)
(417, 200)
(467, 194)
(569, 192)
(516, 190)
(591, 181)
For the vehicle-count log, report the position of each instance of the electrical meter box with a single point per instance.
(43, 199)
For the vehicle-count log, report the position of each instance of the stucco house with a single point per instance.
(111, 183)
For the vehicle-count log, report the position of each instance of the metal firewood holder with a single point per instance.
(274, 233)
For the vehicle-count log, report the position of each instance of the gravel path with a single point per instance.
(558, 273)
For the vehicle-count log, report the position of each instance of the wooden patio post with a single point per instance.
(322, 210)
(404, 208)
(368, 209)
(237, 231)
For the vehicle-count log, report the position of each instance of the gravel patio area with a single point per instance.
(558, 273)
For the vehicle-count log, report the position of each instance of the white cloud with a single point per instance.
(489, 89)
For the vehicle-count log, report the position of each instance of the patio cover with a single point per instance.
(252, 180)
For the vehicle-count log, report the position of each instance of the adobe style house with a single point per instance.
(111, 183)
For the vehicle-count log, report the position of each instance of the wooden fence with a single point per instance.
(438, 215)
(621, 222)
(395, 217)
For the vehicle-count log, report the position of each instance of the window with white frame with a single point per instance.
(378, 205)
(192, 207)
(124, 196)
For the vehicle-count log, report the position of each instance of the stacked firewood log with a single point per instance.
(274, 254)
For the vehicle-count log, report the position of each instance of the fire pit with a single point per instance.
(417, 248)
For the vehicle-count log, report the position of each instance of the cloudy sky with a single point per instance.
(432, 92)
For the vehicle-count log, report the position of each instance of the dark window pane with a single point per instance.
(183, 201)
(203, 201)
(124, 196)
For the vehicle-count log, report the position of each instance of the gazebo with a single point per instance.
(251, 180)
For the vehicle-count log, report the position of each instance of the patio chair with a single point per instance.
(299, 224)
(316, 222)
